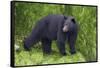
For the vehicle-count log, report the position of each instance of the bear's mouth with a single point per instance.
(65, 29)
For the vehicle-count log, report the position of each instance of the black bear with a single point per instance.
(54, 27)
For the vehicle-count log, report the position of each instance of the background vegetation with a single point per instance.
(27, 15)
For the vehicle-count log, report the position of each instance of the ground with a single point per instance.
(35, 57)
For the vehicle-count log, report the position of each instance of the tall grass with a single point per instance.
(86, 42)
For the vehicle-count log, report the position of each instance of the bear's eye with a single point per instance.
(65, 24)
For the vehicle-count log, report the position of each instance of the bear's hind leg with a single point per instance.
(46, 46)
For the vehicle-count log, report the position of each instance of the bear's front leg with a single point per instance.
(61, 43)
(72, 39)
(61, 46)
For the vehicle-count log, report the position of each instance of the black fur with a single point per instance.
(50, 28)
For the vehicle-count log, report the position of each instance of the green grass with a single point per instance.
(37, 58)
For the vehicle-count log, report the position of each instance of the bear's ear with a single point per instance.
(65, 17)
(73, 20)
